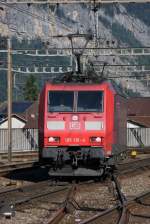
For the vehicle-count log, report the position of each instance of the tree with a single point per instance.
(31, 89)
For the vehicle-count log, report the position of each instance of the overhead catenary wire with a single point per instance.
(144, 76)
(72, 1)
(95, 65)
(34, 15)
(129, 76)
(80, 48)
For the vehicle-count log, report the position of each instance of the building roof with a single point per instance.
(17, 107)
(15, 116)
(139, 106)
(139, 111)
(27, 111)
(31, 115)
(2, 117)
(143, 121)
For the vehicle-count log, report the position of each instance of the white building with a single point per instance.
(17, 122)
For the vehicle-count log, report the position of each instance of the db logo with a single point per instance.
(74, 125)
(75, 118)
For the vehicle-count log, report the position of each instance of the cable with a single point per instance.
(90, 48)
(31, 14)
(121, 65)
(80, 48)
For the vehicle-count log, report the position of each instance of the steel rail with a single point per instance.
(63, 210)
(124, 216)
(29, 186)
(34, 186)
(100, 215)
(8, 206)
(4, 169)
(70, 201)
(18, 202)
(132, 166)
(124, 208)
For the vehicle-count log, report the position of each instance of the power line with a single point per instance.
(121, 65)
(36, 16)
(73, 1)
(80, 48)
(129, 76)
(89, 51)
(57, 66)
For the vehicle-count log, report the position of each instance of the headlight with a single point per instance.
(96, 139)
(108, 153)
(54, 139)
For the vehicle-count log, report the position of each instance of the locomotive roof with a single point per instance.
(118, 89)
(115, 87)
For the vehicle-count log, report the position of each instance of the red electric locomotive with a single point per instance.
(82, 125)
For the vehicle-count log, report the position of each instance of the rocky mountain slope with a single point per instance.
(127, 24)
(114, 24)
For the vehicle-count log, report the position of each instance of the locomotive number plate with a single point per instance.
(75, 140)
(74, 125)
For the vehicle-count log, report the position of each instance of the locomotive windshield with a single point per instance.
(90, 101)
(60, 101)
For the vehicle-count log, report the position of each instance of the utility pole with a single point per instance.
(9, 97)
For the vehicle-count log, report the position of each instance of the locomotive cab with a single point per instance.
(82, 125)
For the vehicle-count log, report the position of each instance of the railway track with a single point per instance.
(59, 196)
(84, 202)
(58, 201)
(13, 198)
(26, 160)
(133, 165)
(6, 168)
(19, 156)
(123, 212)
(20, 160)
(60, 213)
(120, 213)
(125, 167)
